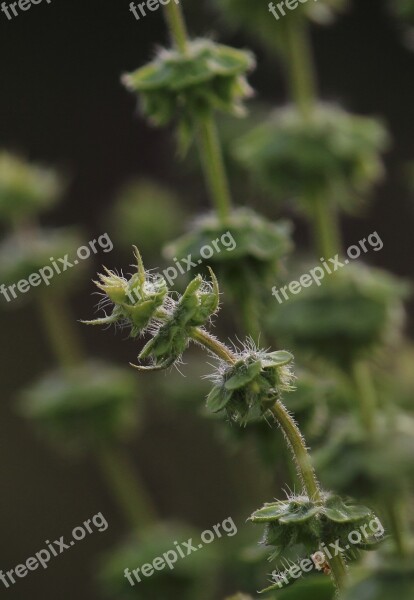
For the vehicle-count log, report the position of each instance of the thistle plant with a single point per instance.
(247, 382)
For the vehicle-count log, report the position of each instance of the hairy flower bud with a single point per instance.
(248, 389)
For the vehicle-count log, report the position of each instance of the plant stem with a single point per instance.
(327, 238)
(176, 24)
(213, 166)
(394, 512)
(203, 338)
(300, 452)
(61, 334)
(126, 487)
(364, 385)
(300, 68)
(208, 139)
(295, 441)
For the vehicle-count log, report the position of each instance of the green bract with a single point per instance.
(178, 86)
(249, 388)
(25, 189)
(84, 406)
(195, 307)
(192, 577)
(23, 256)
(255, 17)
(135, 300)
(333, 153)
(249, 254)
(300, 520)
(344, 319)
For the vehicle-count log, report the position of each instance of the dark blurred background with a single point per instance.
(62, 104)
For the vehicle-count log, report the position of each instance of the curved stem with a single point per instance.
(300, 452)
(176, 24)
(126, 487)
(213, 166)
(203, 338)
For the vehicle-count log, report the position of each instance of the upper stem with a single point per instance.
(300, 68)
(327, 237)
(213, 165)
(176, 24)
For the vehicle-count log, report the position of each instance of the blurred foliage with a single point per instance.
(345, 318)
(192, 577)
(83, 406)
(23, 254)
(146, 214)
(255, 17)
(333, 154)
(350, 462)
(25, 189)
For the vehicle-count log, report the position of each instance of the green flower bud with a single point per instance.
(249, 388)
(83, 407)
(177, 86)
(345, 319)
(25, 190)
(191, 578)
(135, 301)
(196, 306)
(300, 520)
(334, 154)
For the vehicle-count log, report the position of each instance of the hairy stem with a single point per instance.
(176, 24)
(327, 237)
(209, 342)
(129, 492)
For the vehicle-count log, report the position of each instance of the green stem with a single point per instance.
(300, 68)
(203, 338)
(176, 24)
(300, 452)
(61, 333)
(394, 512)
(213, 166)
(126, 487)
(364, 386)
(327, 237)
